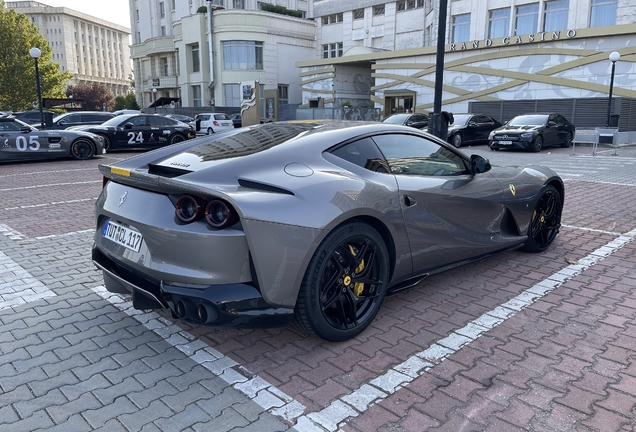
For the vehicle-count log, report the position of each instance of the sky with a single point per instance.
(116, 11)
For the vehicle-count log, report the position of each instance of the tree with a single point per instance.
(18, 89)
(94, 95)
(126, 102)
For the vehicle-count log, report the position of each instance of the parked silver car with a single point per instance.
(308, 221)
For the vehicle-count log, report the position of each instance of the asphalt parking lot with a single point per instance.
(519, 341)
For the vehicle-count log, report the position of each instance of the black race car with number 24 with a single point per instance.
(19, 141)
(140, 131)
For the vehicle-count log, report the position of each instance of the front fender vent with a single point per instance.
(263, 187)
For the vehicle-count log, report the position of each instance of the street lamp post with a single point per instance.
(614, 56)
(154, 98)
(36, 53)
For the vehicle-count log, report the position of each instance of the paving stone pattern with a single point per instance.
(80, 359)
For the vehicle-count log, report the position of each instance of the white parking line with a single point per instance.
(49, 185)
(357, 402)
(257, 389)
(28, 174)
(50, 204)
(18, 286)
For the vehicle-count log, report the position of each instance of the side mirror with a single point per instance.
(25, 129)
(472, 123)
(551, 123)
(128, 125)
(479, 164)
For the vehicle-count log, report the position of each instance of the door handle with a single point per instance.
(409, 201)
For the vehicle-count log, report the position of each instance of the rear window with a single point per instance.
(221, 117)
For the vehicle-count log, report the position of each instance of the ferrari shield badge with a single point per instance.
(513, 191)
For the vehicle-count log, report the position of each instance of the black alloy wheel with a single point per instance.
(345, 283)
(456, 139)
(82, 149)
(107, 142)
(568, 140)
(538, 144)
(546, 220)
(176, 138)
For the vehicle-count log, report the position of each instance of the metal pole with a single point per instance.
(435, 122)
(37, 82)
(609, 102)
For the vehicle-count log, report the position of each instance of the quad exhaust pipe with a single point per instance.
(203, 313)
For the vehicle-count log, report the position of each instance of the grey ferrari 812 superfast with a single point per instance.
(312, 222)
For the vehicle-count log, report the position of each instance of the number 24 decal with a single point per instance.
(21, 143)
(132, 139)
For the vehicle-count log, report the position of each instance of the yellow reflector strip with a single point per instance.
(120, 171)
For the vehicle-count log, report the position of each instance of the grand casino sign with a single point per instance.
(514, 40)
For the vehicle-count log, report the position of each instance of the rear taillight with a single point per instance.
(215, 123)
(217, 213)
(188, 209)
(104, 181)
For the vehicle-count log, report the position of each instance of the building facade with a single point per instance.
(383, 54)
(93, 50)
(196, 53)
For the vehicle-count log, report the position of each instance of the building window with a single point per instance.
(332, 19)
(332, 50)
(137, 14)
(232, 95)
(603, 13)
(378, 10)
(556, 15)
(499, 25)
(196, 66)
(461, 28)
(358, 14)
(162, 10)
(163, 30)
(196, 96)
(283, 94)
(527, 19)
(164, 66)
(243, 55)
(239, 4)
(172, 5)
(400, 6)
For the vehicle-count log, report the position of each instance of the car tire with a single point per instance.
(538, 144)
(82, 149)
(210, 131)
(107, 142)
(456, 140)
(545, 221)
(176, 138)
(568, 140)
(331, 304)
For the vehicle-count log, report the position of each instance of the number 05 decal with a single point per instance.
(21, 143)
(132, 139)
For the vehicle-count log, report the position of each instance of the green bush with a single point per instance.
(202, 9)
(282, 10)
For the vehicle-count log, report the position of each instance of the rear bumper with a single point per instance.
(237, 305)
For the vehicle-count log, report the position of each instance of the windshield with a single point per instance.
(528, 120)
(117, 120)
(396, 118)
(460, 119)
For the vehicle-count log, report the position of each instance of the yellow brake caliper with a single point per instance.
(358, 287)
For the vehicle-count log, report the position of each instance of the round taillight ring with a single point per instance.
(218, 214)
(188, 208)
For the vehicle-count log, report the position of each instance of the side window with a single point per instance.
(73, 118)
(157, 121)
(415, 155)
(363, 153)
(138, 121)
